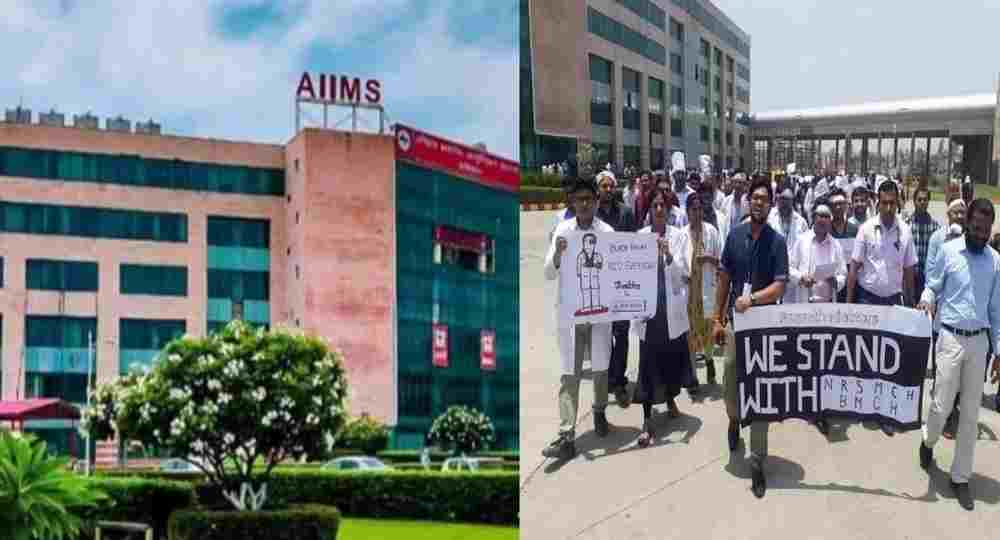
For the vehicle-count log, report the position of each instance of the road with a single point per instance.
(858, 484)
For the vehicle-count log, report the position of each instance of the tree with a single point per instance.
(588, 160)
(462, 429)
(235, 398)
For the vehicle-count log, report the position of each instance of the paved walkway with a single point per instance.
(858, 484)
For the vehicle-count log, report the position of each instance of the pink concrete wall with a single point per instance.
(346, 253)
(152, 146)
(109, 254)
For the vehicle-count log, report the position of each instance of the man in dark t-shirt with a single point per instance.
(753, 271)
(842, 230)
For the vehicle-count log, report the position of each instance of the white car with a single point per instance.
(177, 465)
(357, 463)
(460, 464)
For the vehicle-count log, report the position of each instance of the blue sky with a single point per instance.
(228, 69)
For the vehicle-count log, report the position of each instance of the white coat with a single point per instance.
(600, 344)
(676, 280)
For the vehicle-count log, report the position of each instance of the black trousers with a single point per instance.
(865, 297)
(619, 354)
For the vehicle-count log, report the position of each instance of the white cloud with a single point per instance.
(168, 61)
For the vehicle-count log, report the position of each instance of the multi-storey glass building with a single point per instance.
(636, 79)
(126, 240)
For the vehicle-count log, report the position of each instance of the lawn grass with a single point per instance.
(393, 529)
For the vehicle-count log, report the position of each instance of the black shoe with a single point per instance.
(823, 426)
(996, 401)
(759, 484)
(887, 428)
(601, 423)
(621, 397)
(926, 456)
(734, 435)
(646, 438)
(710, 368)
(963, 495)
(562, 448)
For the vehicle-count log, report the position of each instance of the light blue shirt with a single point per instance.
(937, 239)
(965, 287)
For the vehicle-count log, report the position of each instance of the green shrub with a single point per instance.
(538, 179)
(413, 456)
(541, 195)
(479, 497)
(365, 434)
(301, 522)
(141, 500)
(39, 498)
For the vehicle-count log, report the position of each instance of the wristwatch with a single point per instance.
(753, 299)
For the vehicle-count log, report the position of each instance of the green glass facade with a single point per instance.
(466, 300)
(29, 218)
(153, 280)
(239, 278)
(140, 171)
(70, 276)
(143, 339)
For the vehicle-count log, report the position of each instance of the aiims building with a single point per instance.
(379, 243)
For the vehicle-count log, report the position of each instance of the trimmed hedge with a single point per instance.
(142, 500)
(480, 497)
(301, 522)
(540, 180)
(413, 456)
(475, 497)
(541, 195)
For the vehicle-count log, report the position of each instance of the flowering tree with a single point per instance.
(232, 399)
(462, 429)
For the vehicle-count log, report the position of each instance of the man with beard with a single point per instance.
(789, 224)
(922, 225)
(620, 218)
(735, 206)
(965, 283)
(818, 269)
(753, 271)
(582, 340)
(842, 230)
(859, 205)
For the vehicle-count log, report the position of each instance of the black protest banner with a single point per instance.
(858, 361)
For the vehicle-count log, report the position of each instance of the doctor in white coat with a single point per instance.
(664, 359)
(579, 341)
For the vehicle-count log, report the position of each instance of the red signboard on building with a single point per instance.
(487, 350)
(433, 152)
(439, 355)
(460, 239)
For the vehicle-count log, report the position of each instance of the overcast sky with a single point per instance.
(813, 53)
(229, 68)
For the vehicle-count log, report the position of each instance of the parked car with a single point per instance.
(460, 464)
(357, 463)
(177, 466)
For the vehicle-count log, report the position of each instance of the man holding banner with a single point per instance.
(964, 282)
(753, 271)
(578, 341)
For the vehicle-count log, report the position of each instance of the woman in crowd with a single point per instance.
(664, 358)
(704, 247)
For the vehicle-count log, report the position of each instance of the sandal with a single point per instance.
(672, 410)
(646, 438)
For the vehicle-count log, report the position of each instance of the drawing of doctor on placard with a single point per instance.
(588, 269)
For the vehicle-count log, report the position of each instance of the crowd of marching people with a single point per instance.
(731, 241)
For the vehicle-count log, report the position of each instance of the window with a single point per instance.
(704, 106)
(677, 96)
(154, 280)
(729, 88)
(238, 285)
(600, 69)
(743, 72)
(718, 110)
(239, 232)
(140, 171)
(704, 133)
(631, 155)
(655, 123)
(742, 95)
(718, 83)
(601, 114)
(742, 140)
(149, 334)
(468, 250)
(718, 57)
(630, 118)
(648, 11)
(676, 65)
(29, 218)
(655, 88)
(729, 138)
(717, 137)
(729, 64)
(705, 50)
(676, 30)
(611, 30)
(630, 103)
(70, 276)
(676, 127)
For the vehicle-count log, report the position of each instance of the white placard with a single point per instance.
(609, 276)
(677, 162)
